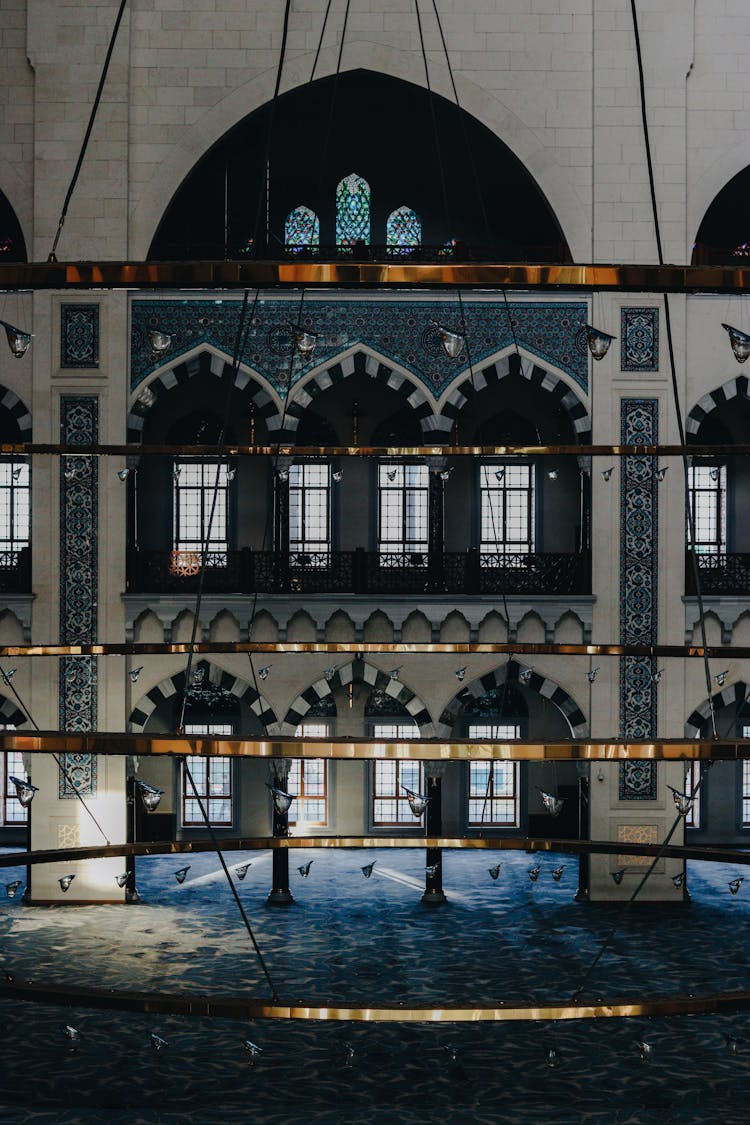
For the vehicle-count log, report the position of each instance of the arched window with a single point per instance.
(352, 211)
(403, 230)
(301, 229)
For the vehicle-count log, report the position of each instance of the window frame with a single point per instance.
(217, 545)
(502, 732)
(405, 520)
(388, 730)
(13, 765)
(15, 494)
(211, 765)
(298, 785)
(715, 505)
(694, 774)
(493, 533)
(316, 551)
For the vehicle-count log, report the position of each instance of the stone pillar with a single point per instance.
(280, 895)
(433, 892)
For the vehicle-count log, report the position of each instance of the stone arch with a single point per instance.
(733, 388)
(537, 682)
(205, 361)
(10, 714)
(490, 374)
(18, 410)
(358, 672)
(360, 360)
(186, 148)
(735, 694)
(174, 686)
(721, 170)
(18, 196)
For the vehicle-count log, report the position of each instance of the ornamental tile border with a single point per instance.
(639, 424)
(639, 339)
(79, 478)
(79, 336)
(401, 331)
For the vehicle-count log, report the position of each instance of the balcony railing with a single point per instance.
(359, 572)
(15, 571)
(719, 572)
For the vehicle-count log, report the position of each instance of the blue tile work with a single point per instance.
(639, 424)
(639, 339)
(402, 331)
(79, 479)
(79, 336)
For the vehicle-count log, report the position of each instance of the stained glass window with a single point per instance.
(403, 229)
(301, 229)
(352, 211)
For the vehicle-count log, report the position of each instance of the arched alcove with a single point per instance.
(724, 233)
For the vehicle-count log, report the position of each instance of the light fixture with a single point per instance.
(150, 795)
(431, 870)
(714, 474)
(16, 473)
(329, 673)
(598, 341)
(553, 805)
(453, 342)
(263, 672)
(253, 1050)
(617, 876)
(553, 474)
(720, 678)
(500, 473)
(735, 884)
(160, 342)
(607, 473)
(417, 803)
(444, 474)
(281, 800)
(241, 871)
(348, 1055)
(495, 871)
(679, 880)
(662, 472)
(591, 674)
(72, 1034)
(11, 889)
(181, 875)
(157, 1043)
(645, 1050)
(304, 870)
(304, 342)
(393, 674)
(682, 800)
(134, 673)
(231, 474)
(8, 676)
(283, 473)
(367, 869)
(391, 473)
(557, 873)
(123, 474)
(740, 342)
(524, 676)
(732, 1043)
(24, 791)
(122, 879)
(460, 674)
(600, 774)
(176, 470)
(551, 1058)
(18, 340)
(338, 475)
(452, 1052)
(534, 873)
(657, 675)
(65, 882)
(70, 473)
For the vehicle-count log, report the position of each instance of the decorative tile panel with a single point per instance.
(639, 339)
(639, 424)
(402, 331)
(79, 336)
(636, 834)
(79, 479)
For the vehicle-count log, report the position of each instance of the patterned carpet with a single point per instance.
(358, 940)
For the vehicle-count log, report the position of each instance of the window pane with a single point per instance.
(197, 515)
(708, 506)
(493, 786)
(506, 508)
(403, 508)
(212, 778)
(13, 812)
(390, 804)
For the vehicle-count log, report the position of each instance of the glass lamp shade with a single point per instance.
(460, 674)
(263, 672)
(552, 1058)
(253, 1049)
(495, 871)
(122, 879)
(368, 868)
(157, 1043)
(524, 676)
(282, 801)
(645, 1050)
(134, 673)
(304, 870)
(11, 889)
(733, 1045)
(553, 805)
(150, 795)
(305, 342)
(431, 870)
(24, 791)
(18, 340)
(8, 676)
(534, 873)
(558, 873)
(740, 342)
(735, 884)
(65, 882)
(160, 342)
(617, 876)
(681, 800)
(678, 880)
(453, 343)
(417, 803)
(598, 341)
(241, 871)
(181, 875)
(72, 1034)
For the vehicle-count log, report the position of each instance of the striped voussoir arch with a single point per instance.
(360, 362)
(18, 410)
(205, 363)
(358, 672)
(172, 688)
(733, 388)
(539, 377)
(536, 682)
(734, 695)
(10, 715)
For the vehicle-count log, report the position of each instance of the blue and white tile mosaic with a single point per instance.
(79, 479)
(402, 331)
(79, 336)
(639, 425)
(639, 339)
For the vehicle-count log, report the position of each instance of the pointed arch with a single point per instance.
(733, 388)
(10, 714)
(358, 672)
(734, 695)
(403, 229)
(301, 229)
(172, 687)
(537, 683)
(18, 410)
(352, 210)
(204, 362)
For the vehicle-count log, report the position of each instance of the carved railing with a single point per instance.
(15, 571)
(719, 573)
(360, 572)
